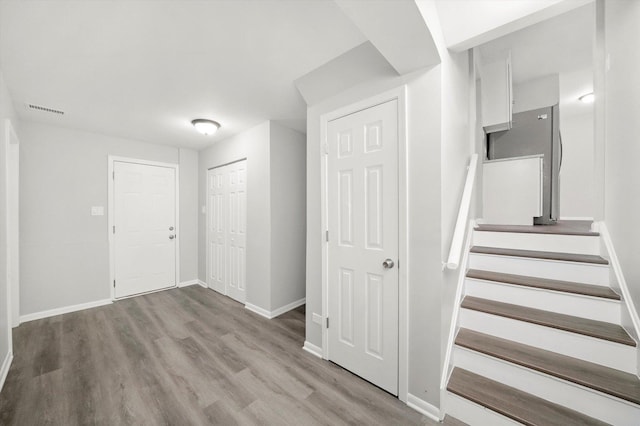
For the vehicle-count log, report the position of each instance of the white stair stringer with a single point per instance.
(474, 414)
(588, 273)
(539, 242)
(596, 308)
(604, 407)
(599, 351)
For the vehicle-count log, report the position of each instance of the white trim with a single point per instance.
(6, 365)
(400, 95)
(312, 349)
(276, 312)
(202, 284)
(423, 407)
(188, 283)
(457, 241)
(453, 328)
(64, 310)
(12, 192)
(576, 218)
(110, 213)
(621, 281)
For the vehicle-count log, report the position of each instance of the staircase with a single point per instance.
(539, 339)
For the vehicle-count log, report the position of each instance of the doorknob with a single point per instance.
(388, 264)
(171, 237)
(171, 228)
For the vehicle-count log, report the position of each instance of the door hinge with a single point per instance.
(327, 322)
(113, 175)
(114, 229)
(114, 283)
(326, 235)
(326, 148)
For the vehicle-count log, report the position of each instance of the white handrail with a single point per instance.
(461, 224)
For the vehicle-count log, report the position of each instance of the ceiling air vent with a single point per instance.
(44, 109)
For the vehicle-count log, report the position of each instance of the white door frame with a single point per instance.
(206, 226)
(12, 191)
(399, 94)
(112, 159)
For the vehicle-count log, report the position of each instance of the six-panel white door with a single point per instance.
(145, 234)
(362, 200)
(227, 229)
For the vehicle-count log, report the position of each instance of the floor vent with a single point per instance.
(44, 109)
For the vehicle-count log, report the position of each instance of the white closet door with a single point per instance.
(362, 199)
(144, 219)
(216, 229)
(237, 230)
(227, 229)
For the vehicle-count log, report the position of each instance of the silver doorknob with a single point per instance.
(388, 264)
(171, 237)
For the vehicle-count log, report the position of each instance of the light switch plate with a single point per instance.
(97, 211)
(317, 318)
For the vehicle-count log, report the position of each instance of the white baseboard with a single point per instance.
(6, 365)
(203, 284)
(423, 407)
(64, 310)
(312, 349)
(188, 283)
(276, 312)
(621, 281)
(576, 218)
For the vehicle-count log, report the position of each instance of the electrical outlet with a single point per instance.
(97, 211)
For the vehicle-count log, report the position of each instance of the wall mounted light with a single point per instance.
(587, 99)
(204, 126)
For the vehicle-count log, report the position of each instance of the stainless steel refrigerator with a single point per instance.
(534, 132)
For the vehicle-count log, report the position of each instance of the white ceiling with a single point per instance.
(469, 23)
(144, 69)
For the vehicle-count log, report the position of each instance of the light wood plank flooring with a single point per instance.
(183, 357)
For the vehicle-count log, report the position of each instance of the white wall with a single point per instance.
(288, 215)
(6, 112)
(252, 144)
(188, 214)
(64, 250)
(423, 264)
(275, 210)
(537, 93)
(576, 173)
(622, 112)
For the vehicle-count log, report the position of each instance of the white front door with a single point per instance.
(145, 228)
(362, 200)
(227, 229)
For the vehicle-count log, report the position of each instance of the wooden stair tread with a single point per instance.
(547, 255)
(604, 379)
(513, 403)
(587, 327)
(452, 421)
(544, 283)
(562, 227)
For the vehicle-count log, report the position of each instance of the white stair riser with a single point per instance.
(475, 414)
(584, 400)
(610, 354)
(557, 270)
(565, 303)
(541, 242)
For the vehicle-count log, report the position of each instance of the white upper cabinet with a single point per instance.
(497, 95)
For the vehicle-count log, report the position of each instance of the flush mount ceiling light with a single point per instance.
(587, 99)
(204, 126)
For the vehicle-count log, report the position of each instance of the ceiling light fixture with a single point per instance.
(587, 99)
(204, 126)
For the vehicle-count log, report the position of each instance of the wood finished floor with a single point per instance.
(183, 357)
